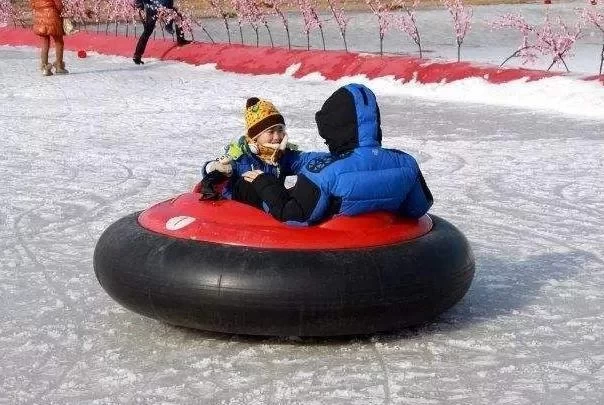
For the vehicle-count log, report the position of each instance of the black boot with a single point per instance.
(138, 60)
(180, 37)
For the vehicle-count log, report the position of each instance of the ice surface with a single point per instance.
(80, 151)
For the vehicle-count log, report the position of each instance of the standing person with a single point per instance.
(356, 176)
(263, 147)
(47, 24)
(151, 8)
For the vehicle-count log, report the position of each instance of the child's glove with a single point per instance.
(223, 165)
(211, 185)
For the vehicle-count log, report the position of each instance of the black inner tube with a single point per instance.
(237, 289)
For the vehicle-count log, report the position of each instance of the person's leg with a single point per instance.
(169, 27)
(44, 65)
(59, 63)
(148, 27)
(244, 192)
(45, 45)
(180, 36)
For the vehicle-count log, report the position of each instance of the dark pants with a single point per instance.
(244, 192)
(148, 27)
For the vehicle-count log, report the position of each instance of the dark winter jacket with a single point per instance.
(357, 176)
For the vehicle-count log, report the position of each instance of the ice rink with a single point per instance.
(522, 178)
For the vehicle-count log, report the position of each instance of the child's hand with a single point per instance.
(225, 160)
(251, 175)
(222, 165)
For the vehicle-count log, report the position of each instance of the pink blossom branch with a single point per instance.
(591, 15)
(311, 20)
(385, 19)
(220, 11)
(248, 11)
(341, 19)
(188, 20)
(237, 6)
(407, 23)
(555, 41)
(462, 16)
(9, 13)
(277, 9)
(99, 13)
(6, 12)
(117, 11)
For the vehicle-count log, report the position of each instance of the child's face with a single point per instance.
(274, 134)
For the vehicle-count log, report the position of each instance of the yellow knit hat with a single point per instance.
(260, 115)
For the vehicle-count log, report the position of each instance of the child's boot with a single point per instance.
(46, 69)
(60, 68)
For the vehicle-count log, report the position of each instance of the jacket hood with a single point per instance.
(350, 118)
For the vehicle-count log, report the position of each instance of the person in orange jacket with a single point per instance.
(47, 24)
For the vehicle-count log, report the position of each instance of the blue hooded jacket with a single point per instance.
(356, 176)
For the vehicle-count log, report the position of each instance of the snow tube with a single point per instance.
(227, 267)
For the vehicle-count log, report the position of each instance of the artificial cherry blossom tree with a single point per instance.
(6, 12)
(240, 20)
(76, 10)
(99, 12)
(591, 15)
(340, 17)
(187, 20)
(117, 11)
(277, 9)
(10, 13)
(462, 16)
(248, 11)
(384, 16)
(219, 8)
(311, 20)
(406, 22)
(553, 40)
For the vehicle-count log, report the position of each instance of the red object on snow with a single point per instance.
(594, 2)
(82, 53)
(547, 1)
(232, 223)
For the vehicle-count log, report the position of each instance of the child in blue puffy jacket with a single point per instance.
(263, 148)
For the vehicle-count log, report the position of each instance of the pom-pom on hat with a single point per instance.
(260, 115)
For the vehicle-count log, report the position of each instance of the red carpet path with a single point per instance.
(264, 60)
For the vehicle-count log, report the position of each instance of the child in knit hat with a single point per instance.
(263, 148)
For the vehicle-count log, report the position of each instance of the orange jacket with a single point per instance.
(40, 4)
(47, 17)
